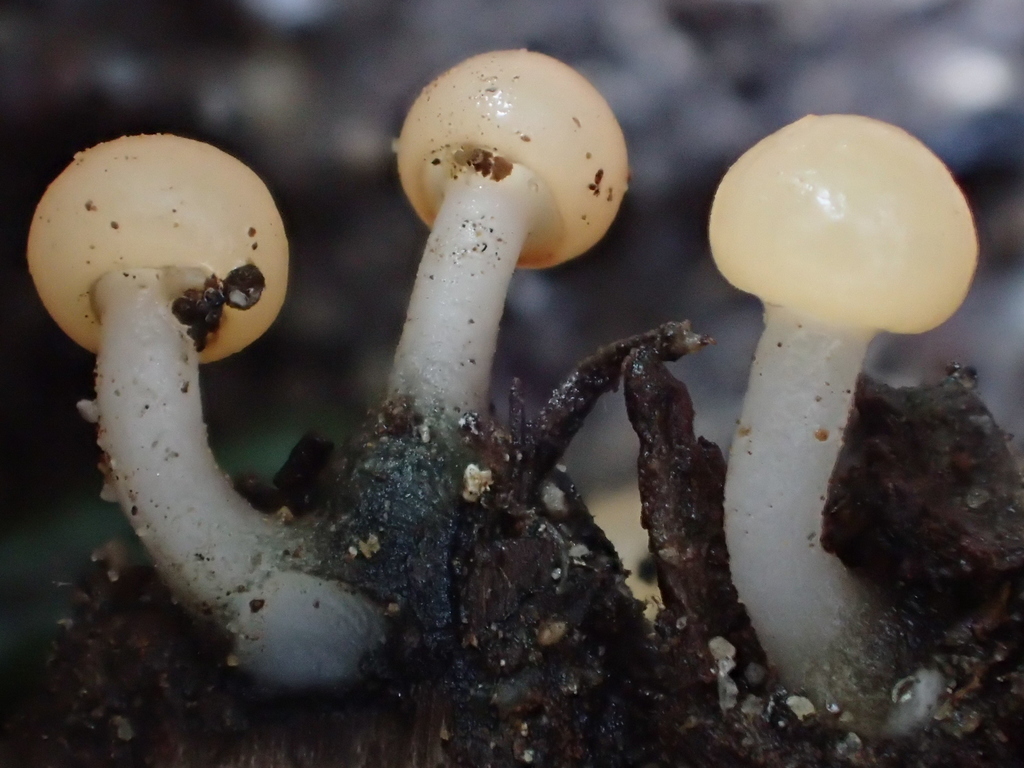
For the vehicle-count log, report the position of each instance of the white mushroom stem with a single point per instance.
(825, 630)
(197, 529)
(219, 557)
(800, 598)
(447, 346)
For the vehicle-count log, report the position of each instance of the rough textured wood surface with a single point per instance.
(545, 659)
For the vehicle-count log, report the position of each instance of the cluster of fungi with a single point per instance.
(435, 592)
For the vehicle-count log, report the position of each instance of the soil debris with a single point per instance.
(515, 640)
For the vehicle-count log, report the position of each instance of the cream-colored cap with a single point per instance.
(156, 201)
(524, 109)
(849, 219)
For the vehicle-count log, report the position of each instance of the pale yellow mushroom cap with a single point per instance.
(156, 201)
(530, 110)
(848, 219)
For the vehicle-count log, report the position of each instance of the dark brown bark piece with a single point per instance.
(927, 490)
(575, 397)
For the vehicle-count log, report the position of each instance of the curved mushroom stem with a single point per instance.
(444, 357)
(219, 557)
(824, 629)
(199, 531)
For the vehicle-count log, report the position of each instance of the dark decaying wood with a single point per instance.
(532, 652)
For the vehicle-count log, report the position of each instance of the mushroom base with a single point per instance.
(564, 672)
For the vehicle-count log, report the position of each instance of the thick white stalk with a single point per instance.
(199, 531)
(219, 557)
(444, 356)
(826, 631)
(800, 598)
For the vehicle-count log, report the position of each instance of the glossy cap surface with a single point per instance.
(156, 201)
(520, 108)
(849, 219)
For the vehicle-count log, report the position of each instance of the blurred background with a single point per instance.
(310, 93)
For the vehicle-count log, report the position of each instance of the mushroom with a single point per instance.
(843, 226)
(513, 158)
(134, 236)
